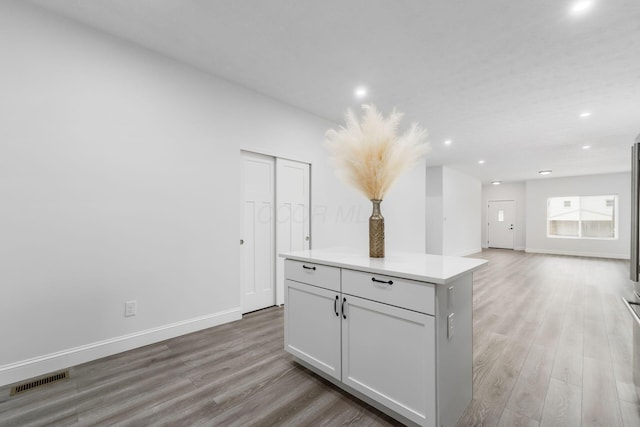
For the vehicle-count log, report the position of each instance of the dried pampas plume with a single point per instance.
(369, 154)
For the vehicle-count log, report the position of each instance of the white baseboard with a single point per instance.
(470, 252)
(576, 253)
(40, 365)
(517, 248)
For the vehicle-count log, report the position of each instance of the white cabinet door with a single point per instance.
(312, 326)
(388, 354)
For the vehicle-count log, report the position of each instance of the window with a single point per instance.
(583, 217)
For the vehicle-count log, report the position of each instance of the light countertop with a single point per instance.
(415, 266)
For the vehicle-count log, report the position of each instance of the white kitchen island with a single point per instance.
(395, 331)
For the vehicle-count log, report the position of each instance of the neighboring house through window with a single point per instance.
(583, 217)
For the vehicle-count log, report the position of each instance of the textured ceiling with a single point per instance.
(505, 80)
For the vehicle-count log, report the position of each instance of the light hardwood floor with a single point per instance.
(552, 347)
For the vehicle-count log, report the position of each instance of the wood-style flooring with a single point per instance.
(552, 347)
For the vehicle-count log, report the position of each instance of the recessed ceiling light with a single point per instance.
(481, 162)
(448, 142)
(496, 182)
(545, 172)
(360, 92)
(581, 6)
(586, 147)
(585, 114)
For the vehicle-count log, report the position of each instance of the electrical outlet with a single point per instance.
(450, 326)
(130, 308)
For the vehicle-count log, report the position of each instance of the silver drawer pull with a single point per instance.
(308, 268)
(388, 282)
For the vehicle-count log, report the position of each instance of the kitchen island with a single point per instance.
(396, 332)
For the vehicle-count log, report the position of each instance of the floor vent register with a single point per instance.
(39, 382)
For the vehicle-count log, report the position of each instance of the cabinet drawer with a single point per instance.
(410, 294)
(313, 274)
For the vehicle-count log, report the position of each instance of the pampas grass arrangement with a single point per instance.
(369, 155)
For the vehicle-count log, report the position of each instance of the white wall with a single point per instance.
(507, 191)
(403, 210)
(461, 213)
(119, 181)
(452, 212)
(434, 209)
(538, 191)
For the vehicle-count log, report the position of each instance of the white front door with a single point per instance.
(257, 244)
(501, 224)
(292, 214)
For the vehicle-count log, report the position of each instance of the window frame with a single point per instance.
(616, 210)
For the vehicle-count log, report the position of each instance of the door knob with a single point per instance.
(242, 241)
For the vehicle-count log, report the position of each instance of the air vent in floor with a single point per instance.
(39, 382)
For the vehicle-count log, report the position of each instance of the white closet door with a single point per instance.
(292, 214)
(257, 233)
